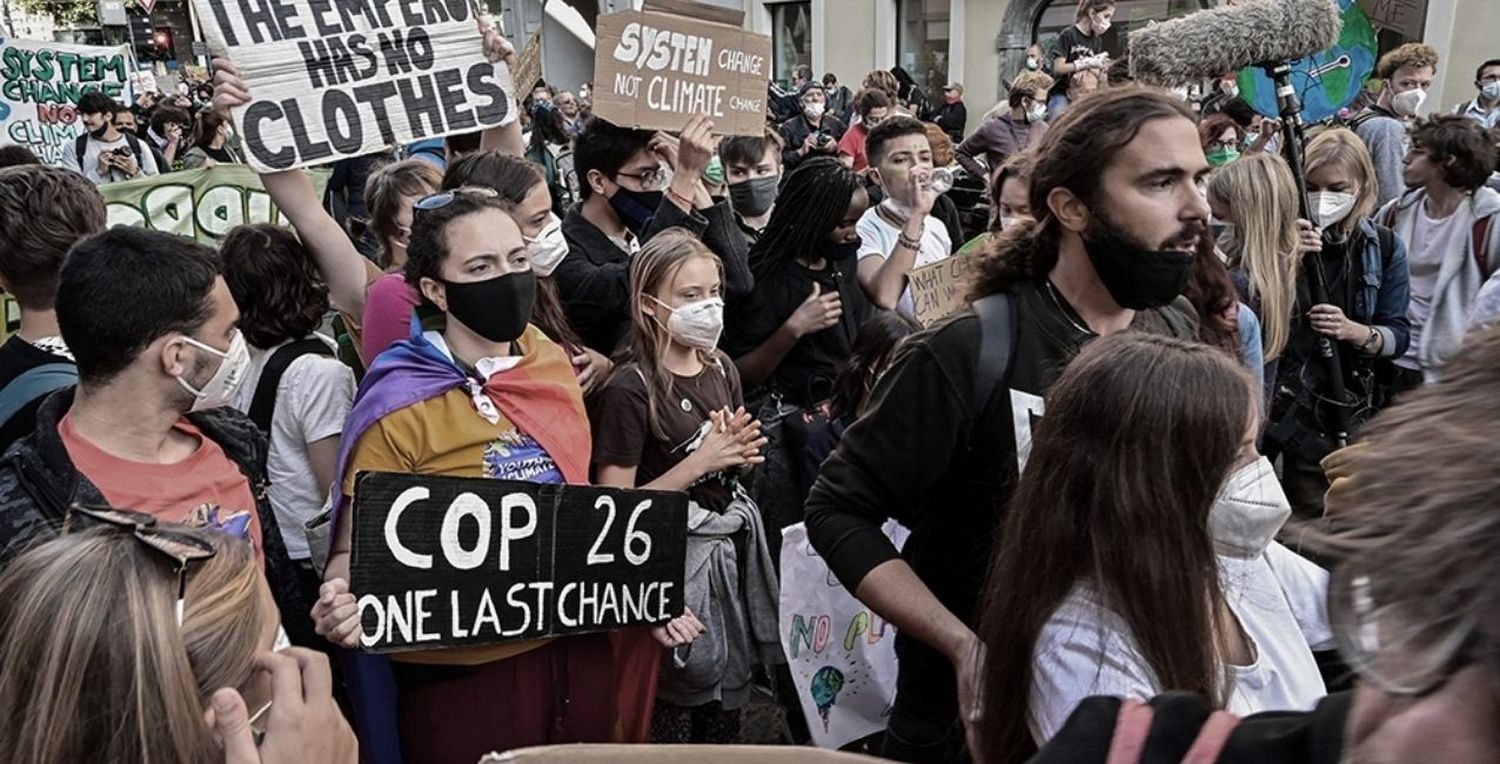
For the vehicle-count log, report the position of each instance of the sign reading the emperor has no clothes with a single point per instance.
(331, 79)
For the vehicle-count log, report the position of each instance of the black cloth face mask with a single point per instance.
(753, 197)
(496, 309)
(1137, 279)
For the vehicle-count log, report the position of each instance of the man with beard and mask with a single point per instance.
(1406, 75)
(752, 168)
(151, 325)
(635, 183)
(813, 132)
(487, 396)
(105, 154)
(1119, 213)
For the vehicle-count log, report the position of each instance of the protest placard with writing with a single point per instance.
(330, 80)
(441, 561)
(202, 204)
(937, 290)
(654, 71)
(40, 84)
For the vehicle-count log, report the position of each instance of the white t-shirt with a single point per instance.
(878, 237)
(1279, 599)
(312, 402)
(1436, 240)
(89, 167)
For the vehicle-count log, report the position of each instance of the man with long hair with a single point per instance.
(1118, 217)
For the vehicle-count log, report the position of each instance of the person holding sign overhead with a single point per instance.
(488, 396)
(676, 421)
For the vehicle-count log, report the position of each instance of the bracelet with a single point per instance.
(902, 240)
(1374, 340)
(680, 199)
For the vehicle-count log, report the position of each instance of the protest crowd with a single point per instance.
(1145, 435)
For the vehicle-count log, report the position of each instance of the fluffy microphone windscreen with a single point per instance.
(1213, 42)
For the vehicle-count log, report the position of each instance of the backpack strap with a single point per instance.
(35, 383)
(997, 342)
(81, 147)
(1481, 234)
(263, 405)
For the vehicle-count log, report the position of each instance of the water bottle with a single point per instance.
(940, 180)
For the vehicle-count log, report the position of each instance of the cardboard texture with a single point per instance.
(444, 561)
(201, 204)
(937, 290)
(654, 71)
(1406, 17)
(529, 64)
(343, 80)
(40, 84)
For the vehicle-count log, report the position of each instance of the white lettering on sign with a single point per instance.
(465, 505)
(400, 551)
(647, 47)
(510, 532)
(740, 61)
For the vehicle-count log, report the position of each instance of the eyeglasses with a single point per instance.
(650, 180)
(444, 198)
(181, 548)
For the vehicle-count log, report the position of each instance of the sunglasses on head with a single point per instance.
(444, 198)
(182, 548)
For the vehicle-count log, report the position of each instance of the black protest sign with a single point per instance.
(444, 561)
(332, 79)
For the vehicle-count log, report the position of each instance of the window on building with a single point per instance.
(791, 38)
(922, 42)
(1129, 14)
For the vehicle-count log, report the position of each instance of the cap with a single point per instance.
(810, 85)
(955, 87)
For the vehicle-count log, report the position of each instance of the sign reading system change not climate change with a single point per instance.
(331, 79)
(40, 84)
(444, 561)
(654, 71)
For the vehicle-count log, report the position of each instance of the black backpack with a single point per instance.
(263, 404)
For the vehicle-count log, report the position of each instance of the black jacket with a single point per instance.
(38, 483)
(952, 117)
(594, 278)
(794, 133)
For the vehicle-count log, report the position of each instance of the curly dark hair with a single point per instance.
(1470, 147)
(278, 288)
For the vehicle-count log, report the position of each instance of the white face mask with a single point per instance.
(1231, 90)
(1490, 90)
(1406, 104)
(1250, 510)
(221, 387)
(813, 110)
(696, 324)
(548, 249)
(1036, 113)
(1330, 207)
(1032, 63)
(1101, 25)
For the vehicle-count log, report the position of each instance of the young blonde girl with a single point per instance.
(671, 417)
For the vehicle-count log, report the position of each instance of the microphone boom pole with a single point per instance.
(1290, 107)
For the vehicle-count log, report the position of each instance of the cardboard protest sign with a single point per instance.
(1406, 17)
(842, 656)
(331, 80)
(443, 561)
(203, 204)
(529, 64)
(937, 290)
(40, 84)
(654, 71)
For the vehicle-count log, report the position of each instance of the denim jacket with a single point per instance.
(1380, 301)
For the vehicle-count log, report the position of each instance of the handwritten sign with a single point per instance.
(200, 204)
(1407, 17)
(654, 70)
(938, 290)
(334, 79)
(529, 64)
(841, 655)
(40, 84)
(443, 561)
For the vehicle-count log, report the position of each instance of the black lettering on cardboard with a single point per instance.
(419, 48)
(225, 24)
(309, 151)
(481, 79)
(319, 63)
(256, 115)
(458, 9)
(286, 17)
(411, 13)
(349, 10)
(375, 96)
(339, 107)
(421, 104)
(393, 50)
(320, 9)
(343, 61)
(360, 46)
(260, 16)
(450, 86)
(434, 12)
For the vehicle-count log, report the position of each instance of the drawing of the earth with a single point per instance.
(1327, 81)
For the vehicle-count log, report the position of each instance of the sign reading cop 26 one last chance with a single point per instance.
(655, 70)
(331, 79)
(443, 561)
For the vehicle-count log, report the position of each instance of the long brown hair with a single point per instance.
(385, 190)
(1073, 155)
(1260, 192)
(654, 266)
(1212, 294)
(97, 668)
(1140, 434)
